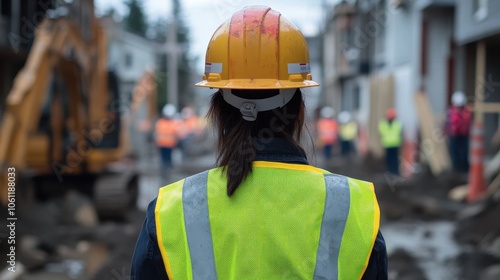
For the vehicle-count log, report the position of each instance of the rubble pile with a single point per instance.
(63, 238)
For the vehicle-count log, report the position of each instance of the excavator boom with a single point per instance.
(60, 119)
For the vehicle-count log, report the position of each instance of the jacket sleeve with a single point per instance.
(147, 262)
(377, 266)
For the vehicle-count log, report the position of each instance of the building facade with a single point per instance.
(129, 55)
(18, 21)
(477, 22)
(380, 54)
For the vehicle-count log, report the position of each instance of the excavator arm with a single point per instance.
(58, 50)
(145, 92)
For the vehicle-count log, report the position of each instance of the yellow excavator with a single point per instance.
(65, 122)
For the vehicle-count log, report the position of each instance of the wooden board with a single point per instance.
(433, 142)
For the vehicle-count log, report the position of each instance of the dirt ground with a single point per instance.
(56, 241)
(424, 200)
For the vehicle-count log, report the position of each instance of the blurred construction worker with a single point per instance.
(190, 128)
(348, 132)
(327, 128)
(167, 130)
(391, 135)
(263, 212)
(458, 122)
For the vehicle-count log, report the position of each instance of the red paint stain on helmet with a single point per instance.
(271, 24)
(255, 18)
(236, 25)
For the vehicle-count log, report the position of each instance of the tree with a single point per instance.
(158, 30)
(135, 21)
(184, 66)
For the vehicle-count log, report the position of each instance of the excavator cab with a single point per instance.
(111, 140)
(65, 121)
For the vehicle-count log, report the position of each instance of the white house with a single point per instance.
(130, 56)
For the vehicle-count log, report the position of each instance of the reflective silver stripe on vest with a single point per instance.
(197, 223)
(332, 227)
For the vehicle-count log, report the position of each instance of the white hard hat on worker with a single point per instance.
(327, 112)
(169, 111)
(345, 117)
(458, 99)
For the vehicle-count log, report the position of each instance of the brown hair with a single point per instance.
(237, 138)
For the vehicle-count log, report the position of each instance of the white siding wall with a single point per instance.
(404, 96)
(142, 56)
(121, 44)
(398, 40)
(114, 54)
(402, 58)
(328, 84)
(440, 31)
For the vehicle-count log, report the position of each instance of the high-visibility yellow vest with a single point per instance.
(285, 221)
(348, 131)
(390, 134)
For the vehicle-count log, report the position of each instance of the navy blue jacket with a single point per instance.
(147, 263)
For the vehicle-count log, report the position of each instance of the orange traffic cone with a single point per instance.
(476, 177)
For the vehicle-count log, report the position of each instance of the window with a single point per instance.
(480, 9)
(356, 97)
(6, 8)
(128, 60)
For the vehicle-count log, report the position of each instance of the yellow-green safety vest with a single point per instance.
(390, 133)
(348, 131)
(285, 221)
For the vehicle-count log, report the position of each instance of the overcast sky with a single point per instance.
(204, 16)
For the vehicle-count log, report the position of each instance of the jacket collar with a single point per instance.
(278, 149)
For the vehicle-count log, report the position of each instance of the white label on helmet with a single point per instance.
(297, 68)
(213, 67)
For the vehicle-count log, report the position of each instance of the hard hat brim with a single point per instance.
(256, 84)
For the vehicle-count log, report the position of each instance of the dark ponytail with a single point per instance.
(237, 137)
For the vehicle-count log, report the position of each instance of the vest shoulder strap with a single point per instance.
(349, 228)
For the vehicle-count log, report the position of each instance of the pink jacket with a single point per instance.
(458, 121)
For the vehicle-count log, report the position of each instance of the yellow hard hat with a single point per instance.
(257, 48)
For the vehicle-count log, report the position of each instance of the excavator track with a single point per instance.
(115, 194)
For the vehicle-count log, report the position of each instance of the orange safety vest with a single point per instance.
(190, 125)
(327, 131)
(166, 133)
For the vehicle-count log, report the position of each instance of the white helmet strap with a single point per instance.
(249, 108)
